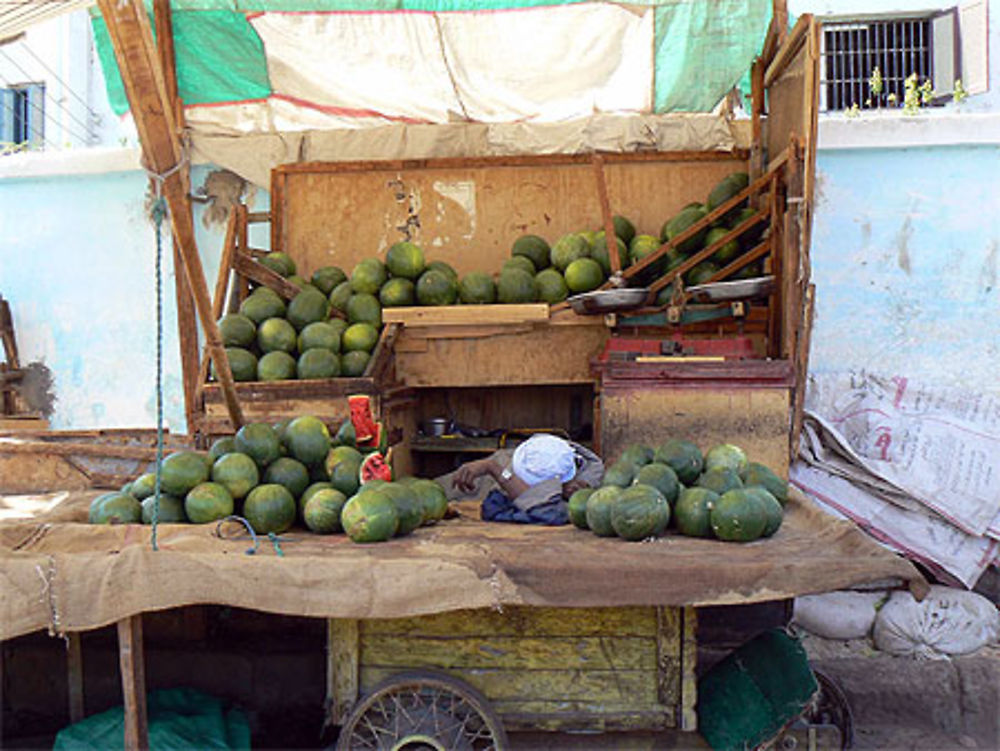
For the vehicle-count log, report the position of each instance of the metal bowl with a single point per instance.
(436, 426)
(602, 301)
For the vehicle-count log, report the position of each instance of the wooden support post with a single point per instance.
(187, 325)
(131, 660)
(74, 676)
(758, 157)
(606, 215)
(342, 660)
(142, 75)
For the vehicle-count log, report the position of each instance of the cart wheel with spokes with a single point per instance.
(422, 711)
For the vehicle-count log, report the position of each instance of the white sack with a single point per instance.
(838, 615)
(947, 622)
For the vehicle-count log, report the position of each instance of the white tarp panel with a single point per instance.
(558, 63)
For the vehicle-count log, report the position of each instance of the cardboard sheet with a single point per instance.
(59, 573)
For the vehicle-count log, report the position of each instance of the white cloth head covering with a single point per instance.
(543, 457)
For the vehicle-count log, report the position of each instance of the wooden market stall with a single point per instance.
(552, 631)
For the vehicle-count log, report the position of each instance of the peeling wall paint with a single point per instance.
(77, 264)
(904, 257)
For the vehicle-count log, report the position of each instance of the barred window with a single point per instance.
(897, 47)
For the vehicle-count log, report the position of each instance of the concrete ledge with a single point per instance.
(880, 130)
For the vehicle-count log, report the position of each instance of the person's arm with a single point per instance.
(511, 484)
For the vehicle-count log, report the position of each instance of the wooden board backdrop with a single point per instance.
(468, 212)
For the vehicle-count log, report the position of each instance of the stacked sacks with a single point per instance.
(719, 494)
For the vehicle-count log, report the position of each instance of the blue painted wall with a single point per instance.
(904, 254)
(77, 264)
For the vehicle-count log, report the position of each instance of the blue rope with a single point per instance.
(159, 213)
(275, 540)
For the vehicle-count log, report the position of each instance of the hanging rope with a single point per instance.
(159, 213)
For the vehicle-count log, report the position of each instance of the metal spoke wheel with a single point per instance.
(422, 711)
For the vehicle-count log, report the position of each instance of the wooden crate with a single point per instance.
(554, 669)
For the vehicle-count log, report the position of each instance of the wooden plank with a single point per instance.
(19, 424)
(687, 709)
(801, 370)
(342, 668)
(131, 660)
(579, 717)
(305, 389)
(775, 313)
(789, 47)
(545, 355)
(598, 687)
(462, 315)
(756, 419)
(251, 269)
(257, 217)
(521, 620)
(470, 216)
(142, 75)
(76, 449)
(74, 677)
(510, 652)
(606, 215)
(383, 355)
(668, 652)
(519, 160)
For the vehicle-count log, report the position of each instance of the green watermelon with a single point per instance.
(409, 507)
(289, 473)
(269, 508)
(259, 441)
(661, 477)
(322, 510)
(641, 511)
(171, 510)
(143, 486)
(775, 513)
(720, 480)
(534, 248)
(621, 473)
(308, 439)
(599, 507)
(516, 286)
(728, 456)
(237, 473)
(477, 288)
(758, 474)
(683, 457)
(738, 516)
(432, 497)
(220, 446)
(693, 512)
(638, 454)
(208, 502)
(181, 471)
(578, 507)
(370, 516)
(314, 487)
(115, 508)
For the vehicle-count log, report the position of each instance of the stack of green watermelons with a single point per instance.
(719, 494)
(724, 190)
(273, 475)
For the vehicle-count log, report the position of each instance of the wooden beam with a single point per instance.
(609, 221)
(187, 325)
(74, 676)
(142, 75)
(77, 449)
(131, 662)
(342, 671)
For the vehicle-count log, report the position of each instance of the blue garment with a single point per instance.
(497, 507)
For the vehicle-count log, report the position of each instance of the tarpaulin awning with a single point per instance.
(368, 63)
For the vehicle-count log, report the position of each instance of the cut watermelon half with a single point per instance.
(375, 467)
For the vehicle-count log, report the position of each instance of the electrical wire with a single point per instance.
(51, 72)
(86, 127)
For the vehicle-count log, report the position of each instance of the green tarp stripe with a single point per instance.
(220, 58)
(702, 50)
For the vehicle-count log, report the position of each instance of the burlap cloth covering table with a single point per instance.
(59, 573)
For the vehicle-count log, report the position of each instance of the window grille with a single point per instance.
(898, 47)
(22, 116)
